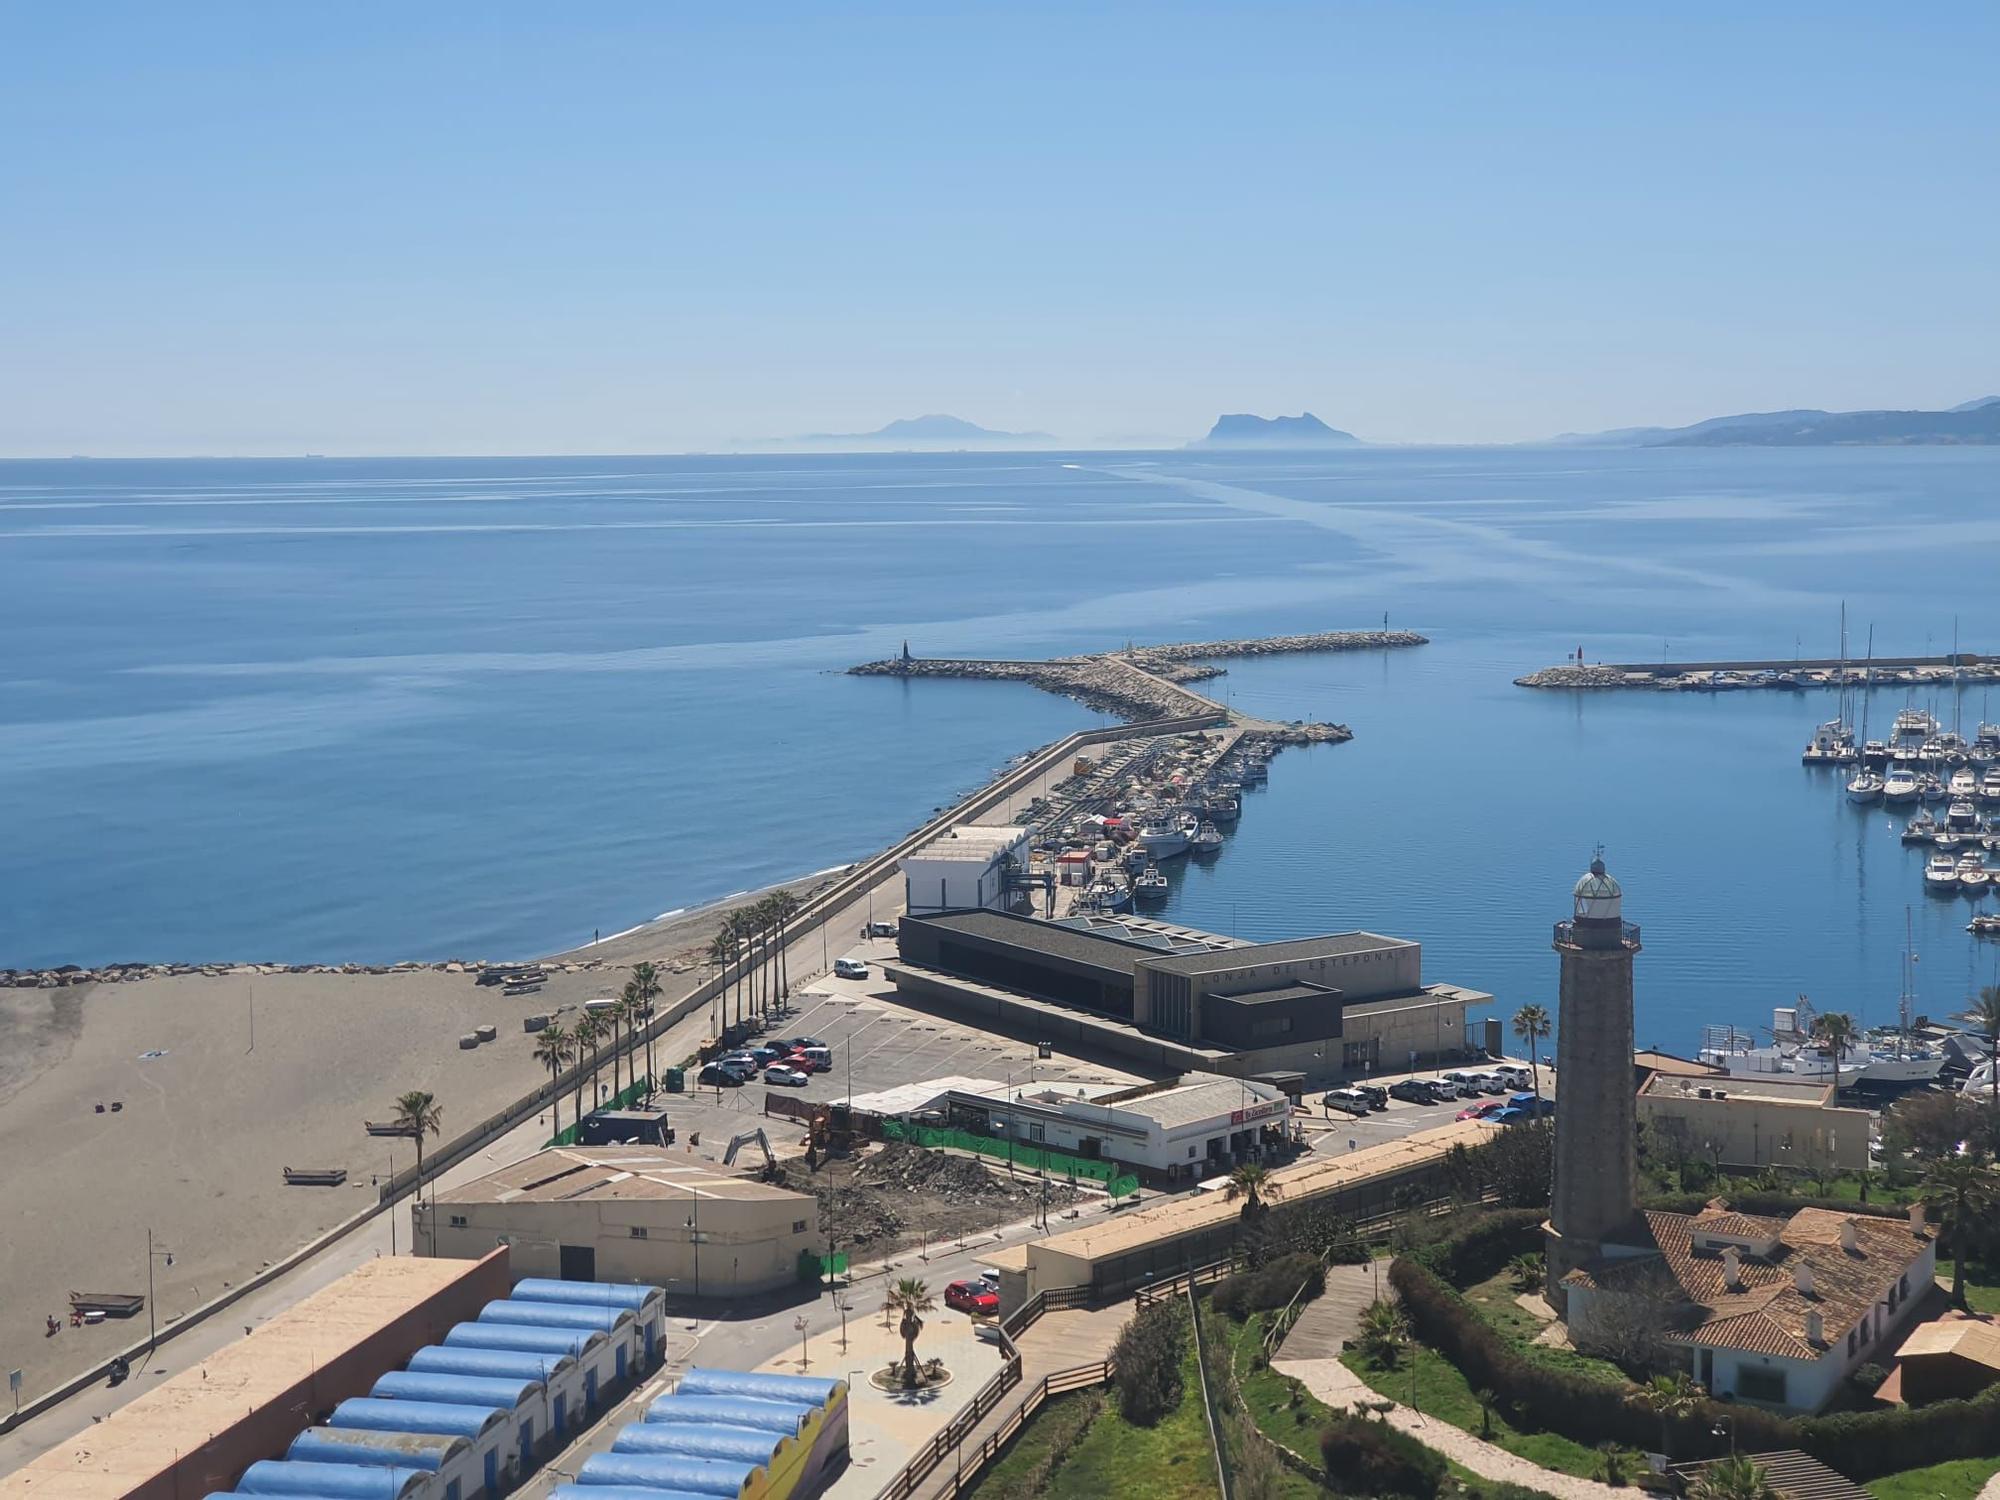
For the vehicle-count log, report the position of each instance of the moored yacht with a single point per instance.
(1963, 784)
(1920, 829)
(1886, 1059)
(1989, 785)
(1914, 723)
(1930, 786)
(1962, 817)
(1900, 785)
(1941, 875)
(1832, 744)
(1866, 787)
(1973, 876)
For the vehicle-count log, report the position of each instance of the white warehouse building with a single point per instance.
(973, 866)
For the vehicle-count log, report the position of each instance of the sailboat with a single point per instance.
(1866, 787)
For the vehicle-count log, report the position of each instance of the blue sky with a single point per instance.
(385, 228)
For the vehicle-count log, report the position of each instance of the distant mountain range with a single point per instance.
(1242, 430)
(1976, 422)
(934, 428)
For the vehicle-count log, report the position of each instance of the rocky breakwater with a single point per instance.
(1104, 683)
(1583, 677)
(1193, 661)
(73, 974)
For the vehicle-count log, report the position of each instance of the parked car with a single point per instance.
(1413, 1091)
(990, 1279)
(1443, 1088)
(1378, 1098)
(849, 968)
(1352, 1101)
(1485, 1109)
(722, 1076)
(1468, 1083)
(1528, 1101)
(1513, 1077)
(805, 1062)
(1507, 1114)
(881, 929)
(973, 1297)
(770, 1052)
(785, 1077)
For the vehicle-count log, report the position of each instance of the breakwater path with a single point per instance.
(1790, 676)
(1141, 683)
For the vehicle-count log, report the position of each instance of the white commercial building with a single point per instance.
(1186, 1128)
(977, 865)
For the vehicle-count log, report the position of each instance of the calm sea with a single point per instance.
(381, 709)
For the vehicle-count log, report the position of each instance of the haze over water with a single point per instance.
(418, 708)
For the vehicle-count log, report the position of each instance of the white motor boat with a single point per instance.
(1150, 884)
(1866, 787)
(1914, 724)
(1920, 829)
(1989, 785)
(1962, 817)
(1973, 876)
(1963, 786)
(1886, 1059)
(1207, 841)
(1930, 786)
(1832, 744)
(1941, 875)
(1163, 840)
(1900, 786)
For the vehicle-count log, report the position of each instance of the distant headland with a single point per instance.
(935, 427)
(1972, 422)
(1243, 430)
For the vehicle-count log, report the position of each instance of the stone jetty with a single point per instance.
(1780, 676)
(1142, 682)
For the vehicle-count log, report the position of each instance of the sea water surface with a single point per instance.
(377, 709)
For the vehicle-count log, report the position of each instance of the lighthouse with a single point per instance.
(1596, 1178)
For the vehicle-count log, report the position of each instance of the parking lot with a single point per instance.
(876, 1044)
(1334, 1133)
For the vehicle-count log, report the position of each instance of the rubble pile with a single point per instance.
(904, 1194)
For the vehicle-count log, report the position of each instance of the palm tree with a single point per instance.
(1835, 1031)
(1531, 1025)
(553, 1051)
(1384, 1331)
(1963, 1187)
(589, 1033)
(420, 1115)
(1985, 1018)
(1672, 1398)
(912, 1299)
(1734, 1479)
(721, 949)
(1249, 1180)
(614, 1017)
(646, 985)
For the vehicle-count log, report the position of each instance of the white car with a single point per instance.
(849, 968)
(1444, 1088)
(784, 1077)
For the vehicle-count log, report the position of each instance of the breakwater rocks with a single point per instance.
(1299, 734)
(72, 974)
(1768, 676)
(1143, 682)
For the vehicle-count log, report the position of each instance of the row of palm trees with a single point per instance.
(621, 1025)
(744, 945)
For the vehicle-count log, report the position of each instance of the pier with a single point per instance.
(1143, 683)
(1792, 675)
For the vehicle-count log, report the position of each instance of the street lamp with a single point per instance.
(152, 1320)
(804, 1326)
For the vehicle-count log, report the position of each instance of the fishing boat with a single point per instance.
(1135, 859)
(1150, 884)
(1941, 875)
(1920, 829)
(1900, 786)
(1889, 1059)
(1163, 840)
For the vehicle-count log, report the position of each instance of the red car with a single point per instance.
(804, 1063)
(1482, 1110)
(973, 1297)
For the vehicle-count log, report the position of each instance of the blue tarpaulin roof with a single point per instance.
(378, 1415)
(710, 1441)
(586, 1293)
(494, 1364)
(811, 1388)
(458, 1390)
(273, 1476)
(389, 1450)
(555, 1315)
(660, 1471)
(786, 1417)
(618, 1492)
(520, 1336)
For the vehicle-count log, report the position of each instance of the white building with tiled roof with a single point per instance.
(1773, 1312)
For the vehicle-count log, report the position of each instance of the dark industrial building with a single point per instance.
(1346, 1002)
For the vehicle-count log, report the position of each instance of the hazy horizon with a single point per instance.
(257, 231)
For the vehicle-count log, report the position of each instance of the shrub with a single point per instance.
(1364, 1457)
(1483, 1244)
(1147, 1362)
(1866, 1381)
(1272, 1285)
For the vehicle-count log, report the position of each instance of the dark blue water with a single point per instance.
(384, 709)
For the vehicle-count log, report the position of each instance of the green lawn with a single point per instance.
(1960, 1479)
(1021, 1472)
(1284, 1410)
(1173, 1455)
(1494, 1298)
(1443, 1393)
(1982, 1293)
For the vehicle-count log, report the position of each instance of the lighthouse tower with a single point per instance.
(1596, 1182)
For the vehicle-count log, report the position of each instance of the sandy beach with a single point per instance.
(222, 1082)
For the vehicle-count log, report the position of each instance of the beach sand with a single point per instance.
(224, 1081)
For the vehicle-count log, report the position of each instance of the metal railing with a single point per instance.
(1565, 934)
(970, 1463)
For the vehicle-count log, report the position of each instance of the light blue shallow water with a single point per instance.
(385, 709)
